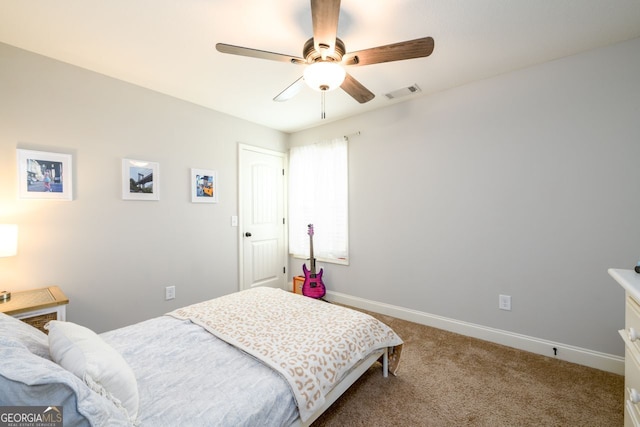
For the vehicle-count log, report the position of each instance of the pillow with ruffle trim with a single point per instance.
(82, 352)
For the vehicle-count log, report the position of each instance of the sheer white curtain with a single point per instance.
(318, 195)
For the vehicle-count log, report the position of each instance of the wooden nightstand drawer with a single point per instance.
(38, 321)
(37, 307)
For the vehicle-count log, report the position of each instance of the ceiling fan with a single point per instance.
(325, 56)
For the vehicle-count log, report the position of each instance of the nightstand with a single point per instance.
(37, 307)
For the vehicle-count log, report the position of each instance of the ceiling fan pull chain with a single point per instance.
(322, 104)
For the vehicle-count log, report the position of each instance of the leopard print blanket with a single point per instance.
(311, 343)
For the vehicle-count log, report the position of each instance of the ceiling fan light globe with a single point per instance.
(324, 76)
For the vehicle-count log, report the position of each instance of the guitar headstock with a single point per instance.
(310, 230)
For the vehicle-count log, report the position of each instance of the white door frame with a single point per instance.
(285, 157)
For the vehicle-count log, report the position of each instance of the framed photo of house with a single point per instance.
(44, 175)
(140, 180)
(204, 186)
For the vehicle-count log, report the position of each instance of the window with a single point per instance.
(318, 195)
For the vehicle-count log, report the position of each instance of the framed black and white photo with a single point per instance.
(204, 186)
(44, 175)
(140, 180)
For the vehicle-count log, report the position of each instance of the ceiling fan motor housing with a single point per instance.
(325, 56)
(310, 53)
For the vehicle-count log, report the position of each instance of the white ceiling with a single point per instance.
(169, 45)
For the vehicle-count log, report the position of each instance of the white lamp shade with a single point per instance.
(8, 240)
(324, 76)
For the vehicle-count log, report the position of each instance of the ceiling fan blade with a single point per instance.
(290, 91)
(356, 89)
(255, 53)
(325, 14)
(417, 48)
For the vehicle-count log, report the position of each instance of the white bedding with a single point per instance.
(313, 344)
(183, 375)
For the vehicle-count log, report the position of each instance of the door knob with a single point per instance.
(247, 234)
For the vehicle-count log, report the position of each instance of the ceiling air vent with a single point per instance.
(403, 92)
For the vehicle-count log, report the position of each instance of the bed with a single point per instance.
(257, 357)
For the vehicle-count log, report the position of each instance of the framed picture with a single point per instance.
(204, 186)
(43, 175)
(140, 180)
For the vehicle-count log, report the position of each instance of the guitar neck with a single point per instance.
(312, 260)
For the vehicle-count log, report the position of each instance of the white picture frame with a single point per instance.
(140, 180)
(204, 186)
(44, 175)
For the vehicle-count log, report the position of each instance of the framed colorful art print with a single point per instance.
(204, 186)
(44, 175)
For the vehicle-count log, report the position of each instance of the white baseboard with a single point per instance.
(581, 356)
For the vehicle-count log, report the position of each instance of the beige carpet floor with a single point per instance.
(446, 379)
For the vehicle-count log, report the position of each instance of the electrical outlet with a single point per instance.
(169, 292)
(504, 302)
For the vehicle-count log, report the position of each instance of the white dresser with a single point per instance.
(630, 281)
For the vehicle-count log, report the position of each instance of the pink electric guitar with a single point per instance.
(312, 286)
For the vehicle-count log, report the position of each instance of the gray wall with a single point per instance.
(111, 257)
(527, 184)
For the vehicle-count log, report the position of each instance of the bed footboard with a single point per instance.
(347, 381)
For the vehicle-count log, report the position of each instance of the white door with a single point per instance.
(263, 251)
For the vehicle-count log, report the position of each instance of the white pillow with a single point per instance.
(82, 352)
